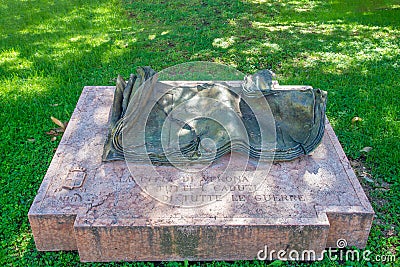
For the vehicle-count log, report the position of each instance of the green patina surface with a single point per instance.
(167, 125)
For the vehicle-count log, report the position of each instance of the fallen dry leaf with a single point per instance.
(356, 119)
(52, 132)
(59, 130)
(58, 122)
(31, 140)
(368, 179)
(366, 149)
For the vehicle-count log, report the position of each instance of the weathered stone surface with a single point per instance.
(98, 209)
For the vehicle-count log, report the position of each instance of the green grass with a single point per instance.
(49, 50)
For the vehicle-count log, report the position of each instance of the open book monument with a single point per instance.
(178, 166)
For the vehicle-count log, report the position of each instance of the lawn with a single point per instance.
(49, 50)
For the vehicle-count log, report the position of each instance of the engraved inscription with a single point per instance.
(187, 190)
(67, 198)
(282, 197)
(269, 198)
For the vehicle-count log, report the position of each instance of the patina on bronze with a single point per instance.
(295, 128)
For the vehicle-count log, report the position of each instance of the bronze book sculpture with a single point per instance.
(172, 124)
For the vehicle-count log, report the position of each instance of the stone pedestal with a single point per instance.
(98, 209)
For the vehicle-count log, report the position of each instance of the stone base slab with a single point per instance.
(98, 208)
